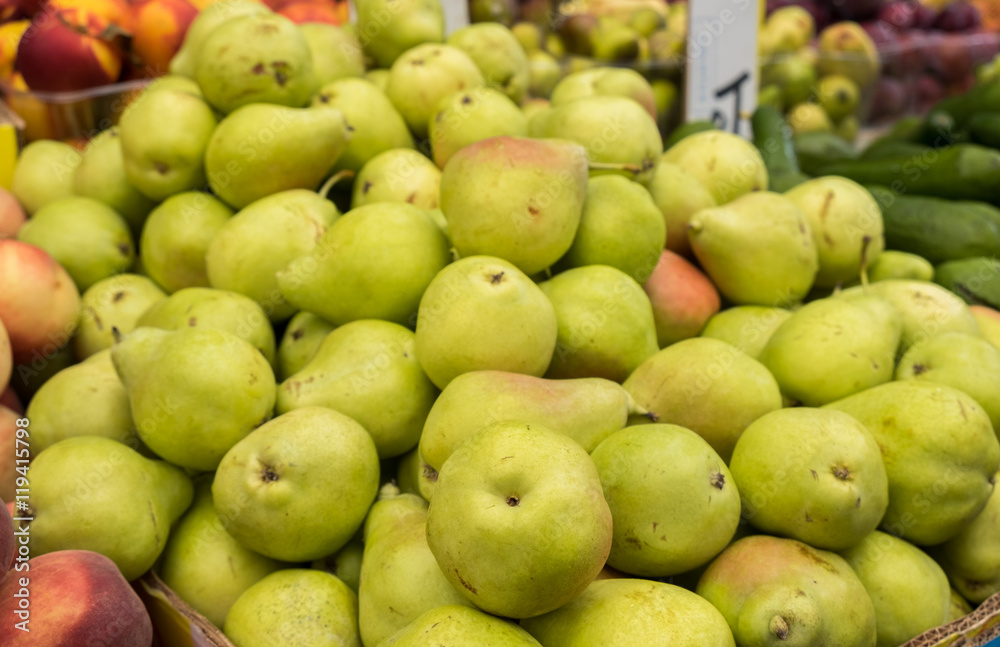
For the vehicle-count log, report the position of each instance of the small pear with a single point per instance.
(746, 327)
(336, 52)
(544, 73)
(301, 341)
(847, 49)
(679, 194)
(498, 54)
(459, 626)
(101, 176)
(345, 563)
(398, 175)
(972, 557)
(391, 28)
(211, 16)
(683, 299)
(379, 77)
(116, 302)
(469, 116)
(725, 164)
(892, 264)
(605, 81)
(45, 172)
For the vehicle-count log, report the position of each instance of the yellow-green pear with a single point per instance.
(746, 327)
(469, 116)
(367, 370)
(373, 263)
(892, 264)
(988, 320)
(398, 175)
(544, 72)
(94, 493)
(336, 52)
(213, 15)
(909, 590)
(345, 563)
(496, 51)
(605, 81)
(301, 341)
(186, 414)
(815, 475)
(758, 249)
(678, 194)
(45, 172)
(459, 626)
(972, 557)
(295, 607)
(204, 565)
(960, 607)
(117, 302)
(605, 323)
(628, 612)
(391, 28)
(380, 77)
(726, 164)
(408, 472)
(482, 313)
(101, 176)
(847, 49)
(940, 454)
(180, 82)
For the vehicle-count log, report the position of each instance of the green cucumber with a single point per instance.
(984, 128)
(815, 150)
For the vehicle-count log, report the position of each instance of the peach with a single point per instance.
(69, 49)
(11, 214)
(72, 597)
(683, 298)
(10, 37)
(8, 543)
(159, 30)
(9, 399)
(8, 460)
(39, 303)
(310, 11)
(116, 12)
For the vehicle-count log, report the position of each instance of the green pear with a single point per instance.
(726, 164)
(208, 19)
(85, 236)
(85, 399)
(758, 249)
(605, 323)
(204, 565)
(466, 117)
(400, 579)
(392, 27)
(910, 592)
(301, 341)
(302, 484)
(939, 451)
(101, 176)
(776, 591)
(968, 363)
(380, 78)
(892, 264)
(515, 198)
(605, 82)
(519, 484)
(717, 390)
(183, 83)
(176, 236)
(846, 223)
(336, 52)
(373, 263)
(654, 535)
(372, 121)
(164, 374)
(116, 302)
(345, 563)
(832, 348)
(161, 162)
(398, 175)
(261, 240)
(496, 51)
(746, 327)
(408, 472)
(94, 493)
(528, 34)
(679, 194)
(367, 370)
(295, 607)
(459, 626)
(262, 149)
(45, 172)
(534, 106)
(208, 308)
(621, 226)
(544, 72)
(847, 49)
(628, 612)
(255, 58)
(815, 475)
(469, 307)
(424, 75)
(972, 557)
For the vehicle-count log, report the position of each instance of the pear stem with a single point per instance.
(116, 334)
(336, 177)
(605, 166)
(865, 242)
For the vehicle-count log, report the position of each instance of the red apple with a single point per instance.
(683, 298)
(8, 543)
(310, 11)
(160, 27)
(11, 214)
(9, 399)
(72, 597)
(8, 460)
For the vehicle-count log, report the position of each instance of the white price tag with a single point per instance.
(456, 15)
(721, 72)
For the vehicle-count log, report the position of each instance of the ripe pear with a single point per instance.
(211, 16)
(499, 56)
(400, 579)
(101, 176)
(758, 249)
(605, 82)
(628, 612)
(678, 194)
(372, 121)
(166, 381)
(379, 77)
(208, 308)
(204, 565)
(255, 58)
(391, 28)
(530, 210)
(262, 149)
(300, 343)
(459, 626)
(716, 390)
(176, 236)
(424, 75)
(654, 535)
(301, 484)
(605, 323)
(910, 592)
(94, 493)
(621, 226)
(261, 240)
(683, 298)
(408, 472)
(725, 164)
(473, 304)
(972, 557)
(748, 328)
(295, 607)
(939, 451)
(398, 175)
(367, 370)
(159, 161)
(815, 475)
(85, 236)
(519, 484)
(960, 607)
(847, 49)
(892, 264)
(116, 302)
(336, 52)
(966, 362)
(832, 348)
(45, 172)
(776, 591)
(544, 72)
(373, 263)
(466, 117)
(988, 320)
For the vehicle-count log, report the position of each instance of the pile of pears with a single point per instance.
(375, 349)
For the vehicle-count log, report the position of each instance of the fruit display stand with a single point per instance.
(979, 628)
